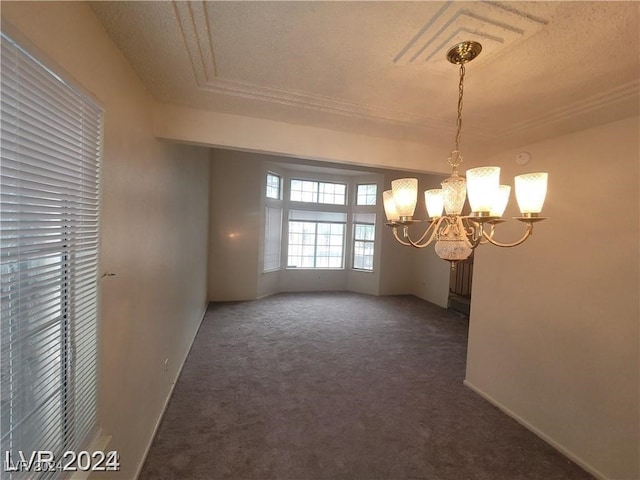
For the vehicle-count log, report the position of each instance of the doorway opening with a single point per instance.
(460, 286)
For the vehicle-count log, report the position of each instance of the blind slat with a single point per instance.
(49, 225)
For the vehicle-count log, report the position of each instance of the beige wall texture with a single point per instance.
(236, 186)
(554, 323)
(154, 227)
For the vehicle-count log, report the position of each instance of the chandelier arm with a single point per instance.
(397, 237)
(474, 232)
(420, 245)
(484, 241)
(434, 225)
(528, 232)
(476, 241)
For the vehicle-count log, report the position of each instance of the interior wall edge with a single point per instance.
(168, 397)
(561, 448)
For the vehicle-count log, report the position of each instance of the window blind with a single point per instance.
(367, 218)
(49, 209)
(272, 238)
(317, 216)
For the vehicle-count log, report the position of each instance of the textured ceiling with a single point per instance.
(379, 68)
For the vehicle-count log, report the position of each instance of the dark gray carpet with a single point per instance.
(338, 386)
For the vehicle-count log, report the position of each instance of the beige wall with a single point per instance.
(153, 231)
(236, 216)
(554, 323)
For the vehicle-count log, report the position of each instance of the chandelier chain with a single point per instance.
(456, 159)
(459, 120)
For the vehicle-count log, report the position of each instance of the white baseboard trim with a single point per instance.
(99, 443)
(166, 400)
(566, 452)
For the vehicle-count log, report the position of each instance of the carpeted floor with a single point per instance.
(338, 386)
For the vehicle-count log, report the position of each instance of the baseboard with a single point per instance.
(166, 400)
(566, 452)
(99, 443)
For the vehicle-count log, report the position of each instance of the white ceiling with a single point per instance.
(379, 68)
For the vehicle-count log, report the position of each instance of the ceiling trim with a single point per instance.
(322, 104)
(435, 36)
(198, 42)
(623, 93)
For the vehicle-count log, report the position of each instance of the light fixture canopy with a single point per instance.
(456, 235)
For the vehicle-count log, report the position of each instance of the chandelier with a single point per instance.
(456, 235)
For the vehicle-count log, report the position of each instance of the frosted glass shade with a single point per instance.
(454, 192)
(405, 195)
(434, 200)
(482, 187)
(531, 190)
(500, 201)
(390, 206)
(453, 247)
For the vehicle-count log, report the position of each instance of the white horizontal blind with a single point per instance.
(272, 238)
(50, 152)
(368, 218)
(317, 216)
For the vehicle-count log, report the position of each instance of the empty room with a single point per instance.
(320, 240)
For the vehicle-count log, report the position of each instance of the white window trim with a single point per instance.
(353, 246)
(350, 209)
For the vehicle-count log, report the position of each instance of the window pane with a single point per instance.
(335, 240)
(324, 228)
(273, 186)
(322, 262)
(363, 246)
(319, 245)
(304, 191)
(335, 262)
(364, 232)
(366, 194)
(332, 193)
(295, 227)
(318, 192)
